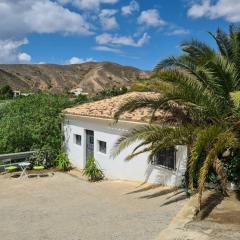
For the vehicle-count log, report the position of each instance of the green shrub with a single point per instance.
(81, 98)
(92, 171)
(62, 161)
(38, 158)
(6, 92)
(111, 92)
(232, 167)
(32, 123)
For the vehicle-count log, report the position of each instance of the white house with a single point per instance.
(90, 129)
(78, 91)
(17, 93)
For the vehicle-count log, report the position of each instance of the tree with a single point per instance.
(110, 92)
(81, 98)
(199, 90)
(32, 123)
(6, 92)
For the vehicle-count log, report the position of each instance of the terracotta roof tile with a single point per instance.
(107, 107)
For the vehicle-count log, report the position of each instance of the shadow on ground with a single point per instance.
(176, 199)
(237, 194)
(208, 204)
(174, 194)
(159, 193)
(147, 188)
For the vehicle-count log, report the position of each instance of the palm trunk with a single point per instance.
(218, 167)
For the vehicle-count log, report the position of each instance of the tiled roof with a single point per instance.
(107, 107)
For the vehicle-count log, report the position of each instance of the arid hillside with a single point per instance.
(91, 76)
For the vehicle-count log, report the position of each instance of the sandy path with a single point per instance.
(65, 208)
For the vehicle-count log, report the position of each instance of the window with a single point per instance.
(102, 146)
(91, 139)
(78, 139)
(166, 158)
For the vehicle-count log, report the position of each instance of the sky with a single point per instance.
(136, 33)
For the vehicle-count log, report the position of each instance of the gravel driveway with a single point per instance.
(63, 207)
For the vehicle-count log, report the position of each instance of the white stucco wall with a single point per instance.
(137, 169)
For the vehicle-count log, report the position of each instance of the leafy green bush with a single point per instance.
(114, 91)
(92, 171)
(106, 93)
(232, 167)
(42, 157)
(81, 98)
(32, 123)
(38, 158)
(6, 92)
(62, 161)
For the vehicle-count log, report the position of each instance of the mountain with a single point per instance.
(91, 76)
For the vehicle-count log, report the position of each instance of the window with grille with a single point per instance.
(166, 158)
(78, 139)
(102, 146)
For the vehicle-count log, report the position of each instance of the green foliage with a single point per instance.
(39, 158)
(115, 91)
(32, 123)
(111, 92)
(92, 171)
(62, 161)
(212, 177)
(6, 92)
(236, 98)
(142, 85)
(232, 167)
(81, 98)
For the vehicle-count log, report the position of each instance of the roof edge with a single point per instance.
(104, 119)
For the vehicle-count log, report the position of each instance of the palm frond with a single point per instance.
(173, 62)
(235, 43)
(198, 51)
(191, 92)
(205, 137)
(134, 135)
(225, 73)
(134, 103)
(223, 42)
(153, 138)
(208, 162)
(222, 141)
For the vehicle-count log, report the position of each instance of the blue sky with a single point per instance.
(130, 32)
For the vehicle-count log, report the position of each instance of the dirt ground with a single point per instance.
(219, 219)
(63, 207)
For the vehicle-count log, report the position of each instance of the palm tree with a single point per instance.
(200, 90)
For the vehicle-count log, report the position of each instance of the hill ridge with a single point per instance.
(90, 76)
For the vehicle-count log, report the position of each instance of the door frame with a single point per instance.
(87, 131)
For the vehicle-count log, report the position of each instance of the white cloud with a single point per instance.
(109, 39)
(24, 57)
(178, 32)
(42, 16)
(76, 60)
(228, 9)
(151, 18)
(104, 38)
(129, 9)
(88, 4)
(18, 18)
(9, 51)
(107, 49)
(107, 19)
